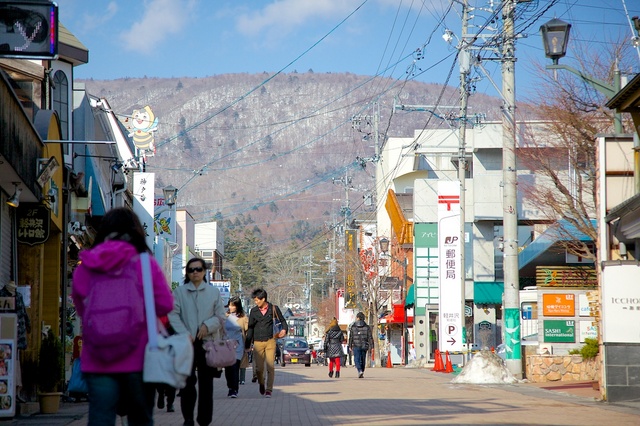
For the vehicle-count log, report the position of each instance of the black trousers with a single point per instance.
(232, 374)
(204, 394)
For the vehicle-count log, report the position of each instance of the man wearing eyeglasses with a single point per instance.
(199, 312)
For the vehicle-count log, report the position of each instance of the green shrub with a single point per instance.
(588, 351)
(50, 367)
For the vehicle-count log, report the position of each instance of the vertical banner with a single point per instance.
(164, 230)
(451, 318)
(350, 297)
(143, 200)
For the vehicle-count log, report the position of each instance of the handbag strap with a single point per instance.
(149, 303)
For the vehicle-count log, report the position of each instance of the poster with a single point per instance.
(7, 400)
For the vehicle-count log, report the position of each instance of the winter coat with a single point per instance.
(234, 328)
(333, 342)
(95, 263)
(194, 306)
(360, 336)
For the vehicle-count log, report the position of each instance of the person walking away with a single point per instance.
(199, 312)
(360, 341)
(333, 338)
(345, 352)
(107, 289)
(260, 334)
(164, 389)
(234, 327)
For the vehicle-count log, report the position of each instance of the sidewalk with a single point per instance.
(388, 396)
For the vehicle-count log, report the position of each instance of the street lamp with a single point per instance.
(555, 37)
(384, 244)
(384, 247)
(170, 193)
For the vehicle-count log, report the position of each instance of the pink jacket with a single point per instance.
(94, 262)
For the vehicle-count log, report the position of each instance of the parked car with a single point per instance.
(295, 350)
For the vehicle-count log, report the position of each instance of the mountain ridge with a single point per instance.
(277, 150)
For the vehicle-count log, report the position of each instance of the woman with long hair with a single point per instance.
(333, 347)
(235, 327)
(114, 371)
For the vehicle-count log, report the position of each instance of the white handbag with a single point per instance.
(167, 359)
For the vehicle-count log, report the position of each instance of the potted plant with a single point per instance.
(50, 373)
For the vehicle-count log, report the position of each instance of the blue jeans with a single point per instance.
(360, 358)
(119, 393)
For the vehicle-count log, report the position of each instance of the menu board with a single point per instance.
(7, 355)
(8, 334)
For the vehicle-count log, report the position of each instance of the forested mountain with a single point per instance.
(273, 152)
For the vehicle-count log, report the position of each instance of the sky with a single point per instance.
(392, 38)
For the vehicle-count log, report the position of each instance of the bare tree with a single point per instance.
(561, 149)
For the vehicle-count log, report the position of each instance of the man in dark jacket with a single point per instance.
(360, 341)
(261, 335)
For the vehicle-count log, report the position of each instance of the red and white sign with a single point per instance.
(449, 243)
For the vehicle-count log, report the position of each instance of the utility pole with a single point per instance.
(464, 61)
(510, 200)
(309, 264)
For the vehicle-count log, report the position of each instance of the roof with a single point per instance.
(629, 93)
(548, 239)
(70, 48)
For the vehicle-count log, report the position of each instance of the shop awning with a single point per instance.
(487, 292)
(410, 300)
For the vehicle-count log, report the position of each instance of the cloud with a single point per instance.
(285, 15)
(90, 22)
(160, 20)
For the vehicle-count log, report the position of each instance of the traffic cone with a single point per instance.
(449, 367)
(439, 366)
(389, 365)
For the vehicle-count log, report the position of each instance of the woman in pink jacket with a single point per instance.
(108, 294)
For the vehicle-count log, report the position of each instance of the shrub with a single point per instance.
(50, 367)
(588, 351)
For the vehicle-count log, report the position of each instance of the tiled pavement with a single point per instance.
(388, 396)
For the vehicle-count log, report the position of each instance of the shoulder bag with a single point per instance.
(167, 359)
(277, 324)
(220, 352)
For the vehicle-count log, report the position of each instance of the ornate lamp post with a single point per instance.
(170, 194)
(555, 37)
(384, 248)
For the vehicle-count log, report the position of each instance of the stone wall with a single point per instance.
(552, 368)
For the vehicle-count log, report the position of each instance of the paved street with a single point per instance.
(387, 396)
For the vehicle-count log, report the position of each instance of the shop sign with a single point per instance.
(559, 331)
(34, 222)
(350, 298)
(559, 305)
